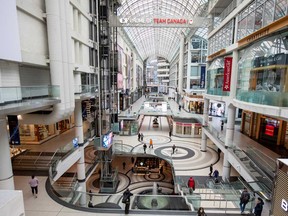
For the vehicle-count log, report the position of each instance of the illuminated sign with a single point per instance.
(269, 130)
(284, 205)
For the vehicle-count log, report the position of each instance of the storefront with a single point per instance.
(36, 134)
(263, 72)
(216, 109)
(187, 127)
(194, 103)
(128, 126)
(271, 132)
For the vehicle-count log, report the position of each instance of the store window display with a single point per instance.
(263, 72)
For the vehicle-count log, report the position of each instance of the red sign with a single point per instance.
(269, 130)
(227, 73)
(172, 21)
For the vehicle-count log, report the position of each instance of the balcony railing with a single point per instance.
(84, 89)
(20, 93)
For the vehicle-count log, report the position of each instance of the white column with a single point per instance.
(234, 75)
(134, 72)
(81, 162)
(206, 112)
(6, 173)
(205, 123)
(228, 141)
(230, 117)
(78, 122)
(181, 65)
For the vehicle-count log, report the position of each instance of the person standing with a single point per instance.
(179, 108)
(222, 125)
(139, 136)
(170, 133)
(33, 182)
(191, 185)
(259, 207)
(132, 160)
(124, 165)
(151, 144)
(211, 170)
(173, 149)
(126, 199)
(244, 199)
(142, 136)
(144, 148)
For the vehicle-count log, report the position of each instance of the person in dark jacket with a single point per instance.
(259, 207)
(244, 199)
(126, 199)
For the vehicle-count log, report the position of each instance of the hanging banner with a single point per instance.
(13, 130)
(202, 77)
(227, 73)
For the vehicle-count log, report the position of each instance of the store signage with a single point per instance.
(284, 205)
(227, 73)
(269, 130)
(163, 21)
(149, 20)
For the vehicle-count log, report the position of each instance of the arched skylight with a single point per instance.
(160, 41)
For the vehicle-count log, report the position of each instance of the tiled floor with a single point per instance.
(199, 166)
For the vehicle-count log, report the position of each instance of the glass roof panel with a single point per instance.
(161, 41)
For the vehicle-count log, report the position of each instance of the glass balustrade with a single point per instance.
(83, 89)
(20, 93)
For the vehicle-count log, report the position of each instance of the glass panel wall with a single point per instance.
(258, 14)
(262, 73)
(222, 39)
(215, 78)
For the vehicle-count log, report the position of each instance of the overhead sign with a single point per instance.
(179, 22)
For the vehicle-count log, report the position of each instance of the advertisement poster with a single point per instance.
(227, 73)
(202, 77)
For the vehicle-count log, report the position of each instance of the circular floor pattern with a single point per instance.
(154, 176)
(157, 139)
(179, 154)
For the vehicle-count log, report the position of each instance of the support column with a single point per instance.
(81, 162)
(181, 65)
(6, 173)
(230, 118)
(205, 123)
(228, 141)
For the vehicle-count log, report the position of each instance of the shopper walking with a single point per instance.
(139, 136)
(33, 182)
(170, 133)
(173, 149)
(191, 185)
(151, 144)
(144, 148)
(142, 136)
(259, 207)
(244, 199)
(126, 199)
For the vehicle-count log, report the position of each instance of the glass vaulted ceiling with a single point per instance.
(161, 41)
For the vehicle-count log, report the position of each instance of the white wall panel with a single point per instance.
(33, 38)
(9, 37)
(34, 76)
